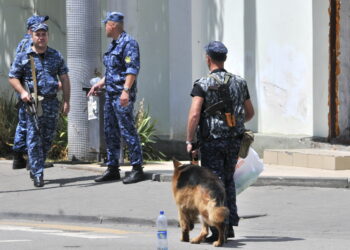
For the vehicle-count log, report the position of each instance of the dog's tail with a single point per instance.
(219, 214)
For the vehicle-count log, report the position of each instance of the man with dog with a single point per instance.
(220, 106)
(34, 75)
(122, 62)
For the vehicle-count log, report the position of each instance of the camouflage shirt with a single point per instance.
(214, 126)
(48, 66)
(122, 58)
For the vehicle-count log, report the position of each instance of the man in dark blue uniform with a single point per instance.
(19, 144)
(220, 107)
(48, 64)
(122, 62)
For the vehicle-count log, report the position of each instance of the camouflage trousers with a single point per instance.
(39, 144)
(220, 156)
(119, 123)
(19, 143)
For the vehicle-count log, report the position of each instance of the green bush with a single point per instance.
(8, 123)
(59, 148)
(146, 130)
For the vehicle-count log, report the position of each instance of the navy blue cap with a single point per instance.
(39, 26)
(216, 47)
(36, 19)
(114, 16)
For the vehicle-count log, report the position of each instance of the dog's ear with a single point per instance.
(176, 163)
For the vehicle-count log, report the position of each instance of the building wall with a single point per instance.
(344, 77)
(13, 18)
(280, 47)
(148, 23)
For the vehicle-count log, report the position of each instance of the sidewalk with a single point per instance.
(272, 174)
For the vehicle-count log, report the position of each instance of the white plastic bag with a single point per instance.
(247, 171)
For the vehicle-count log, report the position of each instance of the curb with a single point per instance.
(84, 219)
(322, 182)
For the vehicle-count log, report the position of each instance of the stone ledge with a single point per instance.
(309, 158)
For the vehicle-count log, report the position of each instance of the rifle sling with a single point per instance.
(32, 65)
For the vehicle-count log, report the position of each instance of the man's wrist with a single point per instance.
(189, 142)
(126, 89)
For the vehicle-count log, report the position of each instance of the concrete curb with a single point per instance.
(99, 219)
(336, 182)
(325, 182)
(84, 219)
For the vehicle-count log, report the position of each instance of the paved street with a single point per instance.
(74, 212)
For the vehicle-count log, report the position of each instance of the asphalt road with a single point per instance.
(73, 212)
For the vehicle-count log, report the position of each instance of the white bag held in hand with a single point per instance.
(247, 171)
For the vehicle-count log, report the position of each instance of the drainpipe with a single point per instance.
(83, 59)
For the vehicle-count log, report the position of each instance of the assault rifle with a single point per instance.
(31, 109)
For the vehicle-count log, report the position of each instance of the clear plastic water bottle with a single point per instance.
(162, 234)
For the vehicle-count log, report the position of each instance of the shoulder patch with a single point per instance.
(128, 59)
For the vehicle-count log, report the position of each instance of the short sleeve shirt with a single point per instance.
(48, 66)
(122, 58)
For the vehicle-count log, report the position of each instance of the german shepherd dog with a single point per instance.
(197, 191)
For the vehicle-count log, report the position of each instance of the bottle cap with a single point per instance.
(161, 212)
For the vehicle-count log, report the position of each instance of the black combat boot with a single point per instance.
(18, 160)
(230, 233)
(111, 174)
(214, 235)
(136, 175)
(39, 180)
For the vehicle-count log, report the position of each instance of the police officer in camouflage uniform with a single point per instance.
(122, 62)
(220, 106)
(49, 64)
(19, 144)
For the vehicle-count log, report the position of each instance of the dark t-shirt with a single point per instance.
(198, 91)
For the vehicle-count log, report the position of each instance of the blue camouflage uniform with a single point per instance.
(122, 58)
(48, 67)
(219, 143)
(19, 144)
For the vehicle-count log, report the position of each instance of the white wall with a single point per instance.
(320, 67)
(284, 66)
(148, 23)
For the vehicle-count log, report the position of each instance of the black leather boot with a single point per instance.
(136, 175)
(39, 180)
(111, 174)
(230, 233)
(214, 235)
(18, 160)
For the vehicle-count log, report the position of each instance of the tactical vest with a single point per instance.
(222, 113)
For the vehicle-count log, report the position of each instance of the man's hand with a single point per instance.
(66, 108)
(94, 89)
(124, 98)
(25, 96)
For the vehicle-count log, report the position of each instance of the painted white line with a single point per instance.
(11, 241)
(86, 235)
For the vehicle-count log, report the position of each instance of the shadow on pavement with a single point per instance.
(246, 239)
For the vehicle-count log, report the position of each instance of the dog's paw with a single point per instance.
(185, 238)
(217, 244)
(196, 240)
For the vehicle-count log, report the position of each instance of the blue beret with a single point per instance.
(114, 16)
(36, 19)
(39, 26)
(216, 47)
